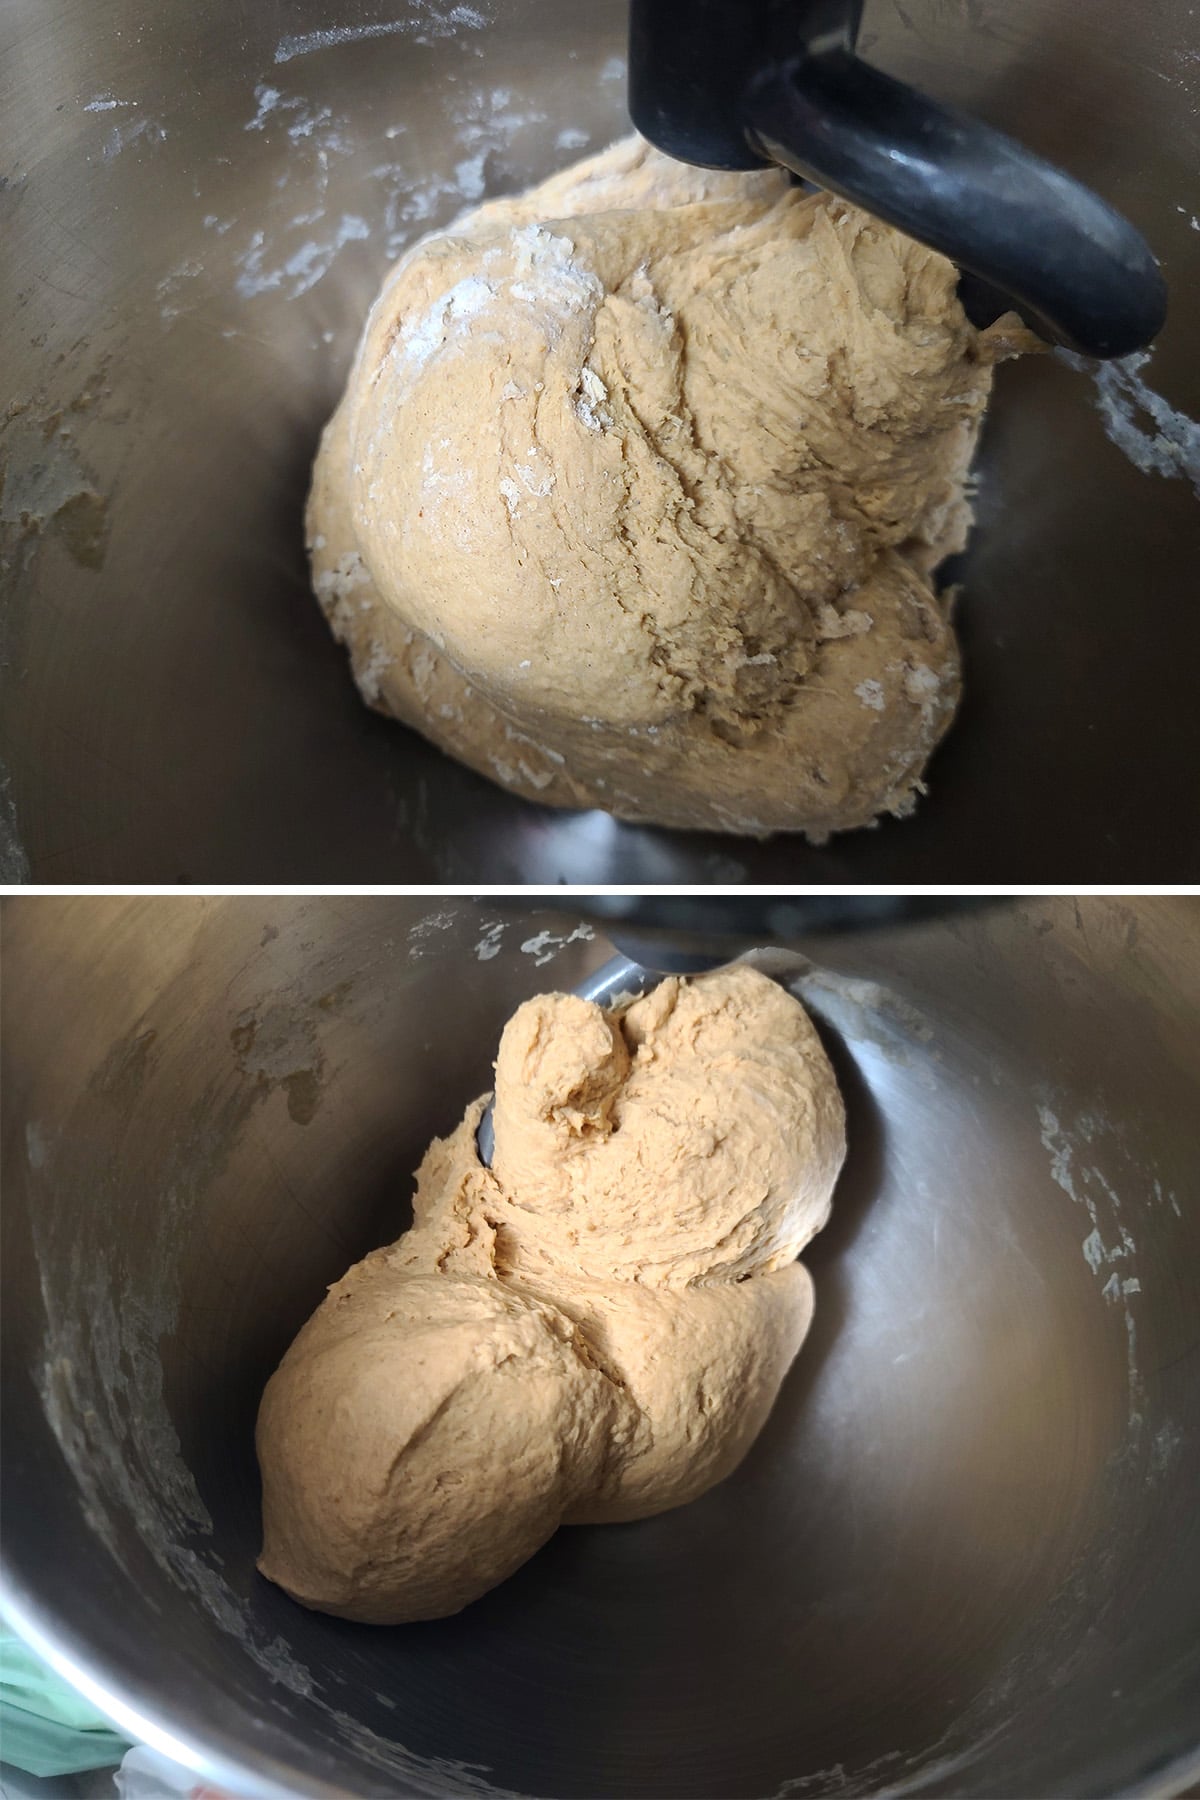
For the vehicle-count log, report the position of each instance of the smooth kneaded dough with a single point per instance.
(594, 1329)
(635, 491)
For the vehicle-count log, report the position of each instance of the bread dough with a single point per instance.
(592, 1330)
(635, 491)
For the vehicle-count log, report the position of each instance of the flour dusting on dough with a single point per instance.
(694, 577)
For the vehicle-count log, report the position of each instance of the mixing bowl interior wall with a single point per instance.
(198, 204)
(964, 1556)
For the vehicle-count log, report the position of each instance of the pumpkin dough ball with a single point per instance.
(420, 1440)
(635, 491)
(592, 1330)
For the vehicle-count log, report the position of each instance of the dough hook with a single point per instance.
(735, 84)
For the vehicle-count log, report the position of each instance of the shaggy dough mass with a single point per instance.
(635, 491)
(595, 1329)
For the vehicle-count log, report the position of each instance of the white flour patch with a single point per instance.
(1155, 437)
(550, 279)
(329, 132)
(510, 493)
(421, 935)
(422, 338)
(370, 673)
(488, 119)
(120, 137)
(1109, 1241)
(489, 944)
(105, 103)
(591, 405)
(922, 684)
(170, 292)
(546, 945)
(871, 694)
(429, 22)
(348, 573)
(437, 481)
(469, 176)
(411, 203)
(485, 122)
(268, 100)
(291, 257)
(537, 481)
(302, 268)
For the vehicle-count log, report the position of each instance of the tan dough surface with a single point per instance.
(635, 489)
(593, 1330)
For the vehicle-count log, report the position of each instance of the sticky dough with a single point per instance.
(634, 495)
(593, 1330)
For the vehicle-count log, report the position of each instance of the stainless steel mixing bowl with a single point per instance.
(964, 1558)
(197, 202)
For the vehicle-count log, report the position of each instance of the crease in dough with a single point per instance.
(593, 1330)
(636, 490)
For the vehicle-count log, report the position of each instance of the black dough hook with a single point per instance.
(736, 84)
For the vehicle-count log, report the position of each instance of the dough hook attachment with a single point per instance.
(736, 84)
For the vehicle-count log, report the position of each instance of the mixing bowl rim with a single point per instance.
(134, 1716)
(137, 1721)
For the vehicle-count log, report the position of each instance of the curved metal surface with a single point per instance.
(197, 205)
(662, 930)
(963, 1559)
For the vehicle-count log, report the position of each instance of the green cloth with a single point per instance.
(46, 1728)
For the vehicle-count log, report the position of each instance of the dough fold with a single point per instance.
(636, 489)
(593, 1330)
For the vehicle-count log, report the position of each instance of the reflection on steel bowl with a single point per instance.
(198, 205)
(962, 1558)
